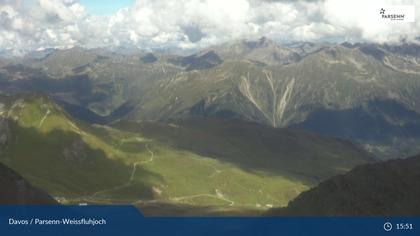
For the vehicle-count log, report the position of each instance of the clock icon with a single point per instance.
(387, 226)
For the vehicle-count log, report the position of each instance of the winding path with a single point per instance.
(216, 196)
(43, 118)
(132, 175)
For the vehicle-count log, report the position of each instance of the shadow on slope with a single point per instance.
(382, 189)
(16, 190)
(197, 62)
(296, 155)
(379, 122)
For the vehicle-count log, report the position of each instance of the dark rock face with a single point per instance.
(382, 189)
(16, 190)
(4, 132)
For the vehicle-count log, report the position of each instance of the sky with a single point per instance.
(105, 7)
(27, 25)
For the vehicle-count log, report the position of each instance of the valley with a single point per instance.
(234, 129)
(158, 163)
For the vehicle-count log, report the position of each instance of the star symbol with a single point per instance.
(382, 11)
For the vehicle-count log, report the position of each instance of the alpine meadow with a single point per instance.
(209, 108)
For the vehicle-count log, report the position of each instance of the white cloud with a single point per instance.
(32, 24)
(28, 25)
(357, 20)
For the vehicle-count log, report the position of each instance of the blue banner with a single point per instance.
(127, 220)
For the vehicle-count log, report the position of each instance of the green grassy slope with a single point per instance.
(52, 152)
(77, 162)
(252, 147)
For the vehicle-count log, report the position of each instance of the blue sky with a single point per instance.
(105, 7)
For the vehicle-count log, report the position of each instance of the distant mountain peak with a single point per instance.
(211, 56)
(263, 42)
(201, 61)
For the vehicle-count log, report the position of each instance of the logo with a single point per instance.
(391, 16)
(403, 13)
(382, 11)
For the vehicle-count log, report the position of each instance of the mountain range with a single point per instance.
(366, 93)
(240, 127)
